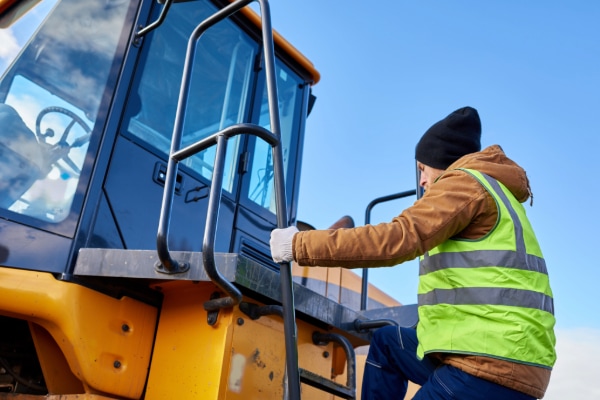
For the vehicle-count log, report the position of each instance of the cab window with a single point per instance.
(261, 189)
(220, 89)
(59, 62)
(227, 87)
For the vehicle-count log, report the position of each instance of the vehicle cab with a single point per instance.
(91, 106)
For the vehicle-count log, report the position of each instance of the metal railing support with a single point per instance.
(365, 325)
(285, 269)
(158, 22)
(364, 292)
(345, 344)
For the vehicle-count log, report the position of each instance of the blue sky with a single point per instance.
(391, 69)
(532, 69)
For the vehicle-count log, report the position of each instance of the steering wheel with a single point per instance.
(60, 150)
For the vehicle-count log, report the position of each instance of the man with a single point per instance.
(486, 318)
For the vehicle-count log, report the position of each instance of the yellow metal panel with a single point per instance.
(334, 281)
(316, 276)
(257, 359)
(190, 355)
(237, 359)
(57, 374)
(352, 281)
(330, 282)
(12, 396)
(106, 341)
(314, 358)
(257, 365)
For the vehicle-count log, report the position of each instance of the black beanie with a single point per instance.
(451, 138)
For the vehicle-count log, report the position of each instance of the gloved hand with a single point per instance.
(281, 244)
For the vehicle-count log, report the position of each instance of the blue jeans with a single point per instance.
(392, 362)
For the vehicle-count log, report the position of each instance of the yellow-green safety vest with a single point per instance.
(490, 296)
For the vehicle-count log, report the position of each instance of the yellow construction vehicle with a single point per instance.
(147, 149)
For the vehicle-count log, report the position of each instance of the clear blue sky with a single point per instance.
(390, 69)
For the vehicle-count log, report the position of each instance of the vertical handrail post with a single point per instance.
(285, 271)
(210, 234)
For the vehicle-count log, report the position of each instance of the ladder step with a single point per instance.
(326, 385)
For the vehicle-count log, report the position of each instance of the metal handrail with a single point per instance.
(364, 296)
(345, 344)
(157, 23)
(365, 325)
(169, 265)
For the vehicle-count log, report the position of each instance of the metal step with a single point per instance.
(326, 385)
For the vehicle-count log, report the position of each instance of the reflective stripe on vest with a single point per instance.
(489, 296)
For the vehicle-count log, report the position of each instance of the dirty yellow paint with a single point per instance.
(236, 359)
(78, 333)
(236, 373)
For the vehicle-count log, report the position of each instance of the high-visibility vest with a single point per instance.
(490, 296)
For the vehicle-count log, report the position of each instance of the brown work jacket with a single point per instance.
(456, 205)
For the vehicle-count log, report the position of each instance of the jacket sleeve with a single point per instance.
(456, 203)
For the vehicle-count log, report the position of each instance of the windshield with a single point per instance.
(56, 63)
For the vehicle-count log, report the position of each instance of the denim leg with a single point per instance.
(392, 362)
(448, 382)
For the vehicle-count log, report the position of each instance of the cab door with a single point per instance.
(221, 94)
(227, 87)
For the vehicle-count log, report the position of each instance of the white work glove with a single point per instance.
(281, 244)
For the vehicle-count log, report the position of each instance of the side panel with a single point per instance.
(237, 358)
(106, 342)
(190, 357)
(29, 248)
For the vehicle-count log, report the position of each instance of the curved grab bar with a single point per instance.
(210, 232)
(157, 23)
(228, 133)
(366, 325)
(364, 296)
(168, 264)
(319, 338)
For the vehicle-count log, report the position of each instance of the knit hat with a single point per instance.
(451, 138)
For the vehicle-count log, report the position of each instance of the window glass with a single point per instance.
(44, 169)
(261, 190)
(219, 90)
(50, 99)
